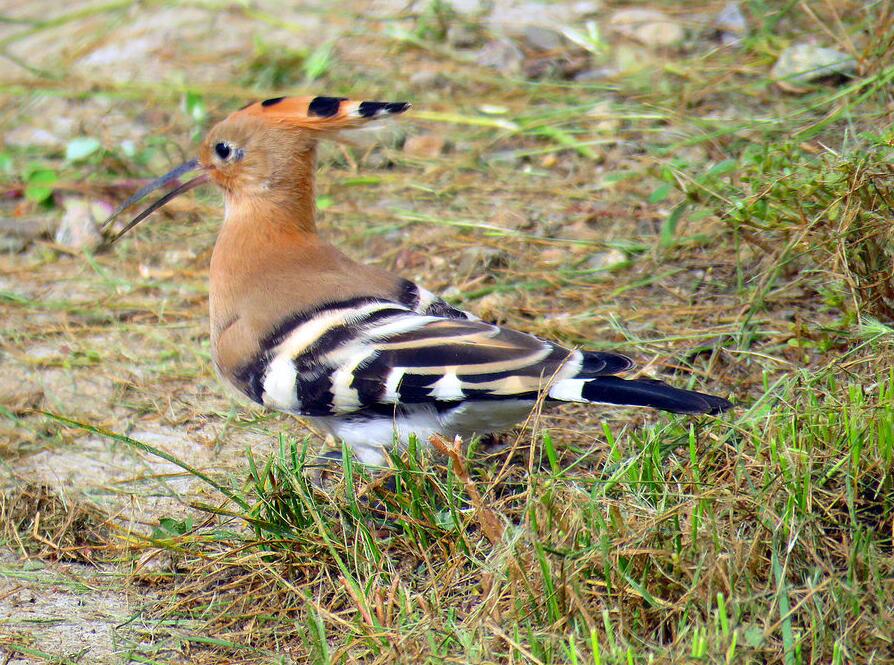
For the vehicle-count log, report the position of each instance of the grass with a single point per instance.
(679, 540)
(752, 253)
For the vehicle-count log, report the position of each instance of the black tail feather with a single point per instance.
(653, 394)
(600, 363)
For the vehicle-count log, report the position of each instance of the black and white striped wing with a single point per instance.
(367, 354)
(448, 361)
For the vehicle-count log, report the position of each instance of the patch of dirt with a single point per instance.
(65, 609)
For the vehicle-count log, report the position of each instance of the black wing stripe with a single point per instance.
(415, 388)
(532, 371)
(369, 381)
(288, 325)
(343, 335)
(463, 356)
(315, 393)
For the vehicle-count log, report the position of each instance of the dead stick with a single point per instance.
(487, 518)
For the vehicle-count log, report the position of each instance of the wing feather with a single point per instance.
(451, 360)
(343, 358)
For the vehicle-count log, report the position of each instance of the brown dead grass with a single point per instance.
(42, 523)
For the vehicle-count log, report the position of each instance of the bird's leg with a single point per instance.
(329, 461)
(320, 470)
(494, 444)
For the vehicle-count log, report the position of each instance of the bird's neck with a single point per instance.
(267, 231)
(285, 201)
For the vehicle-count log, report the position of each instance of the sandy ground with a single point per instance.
(69, 610)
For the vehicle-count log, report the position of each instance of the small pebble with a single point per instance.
(512, 18)
(549, 161)
(802, 64)
(607, 260)
(647, 26)
(427, 78)
(507, 218)
(426, 146)
(730, 24)
(540, 38)
(21, 397)
(468, 6)
(476, 259)
(502, 55)
(79, 228)
(493, 306)
(554, 256)
(27, 228)
(597, 74)
(605, 116)
(12, 245)
(461, 36)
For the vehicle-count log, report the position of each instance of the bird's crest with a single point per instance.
(321, 113)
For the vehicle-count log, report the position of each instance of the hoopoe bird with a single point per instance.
(368, 356)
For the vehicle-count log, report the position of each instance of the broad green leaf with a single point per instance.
(721, 168)
(661, 192)
(39, 185)
(669, 228)
(194, 105)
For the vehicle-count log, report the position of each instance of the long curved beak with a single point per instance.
(158, 183)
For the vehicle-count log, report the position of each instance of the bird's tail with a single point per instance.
(637, 392)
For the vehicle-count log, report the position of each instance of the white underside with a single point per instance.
(369, 438)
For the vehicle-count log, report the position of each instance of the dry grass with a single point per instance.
(43, 524)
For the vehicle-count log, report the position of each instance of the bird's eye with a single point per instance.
(223, 150)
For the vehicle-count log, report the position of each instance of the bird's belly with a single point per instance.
(485, 417)
(370, 434)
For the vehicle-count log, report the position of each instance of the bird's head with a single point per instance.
(261, 148)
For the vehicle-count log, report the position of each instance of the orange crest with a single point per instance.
(321, 113)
